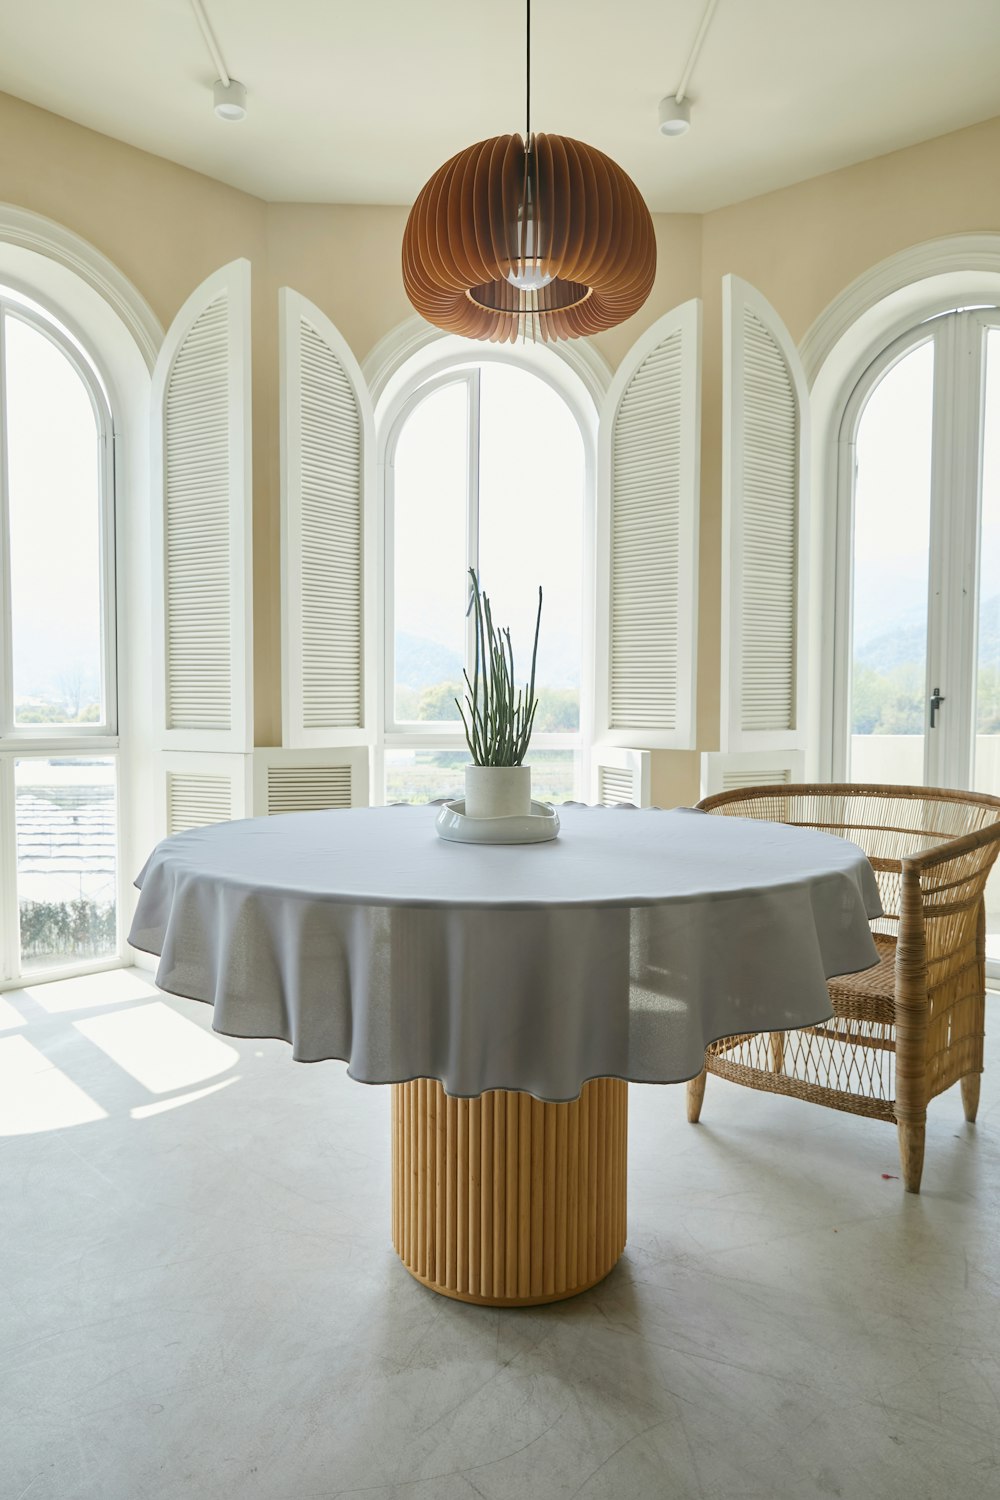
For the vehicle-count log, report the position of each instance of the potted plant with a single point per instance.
(500, 718)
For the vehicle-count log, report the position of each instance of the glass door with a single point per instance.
(919, 560)
(986, 745)
(891, 568)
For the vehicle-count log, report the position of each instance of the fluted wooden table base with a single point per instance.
(505, 1200)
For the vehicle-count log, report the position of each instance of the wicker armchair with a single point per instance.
(913, 1025)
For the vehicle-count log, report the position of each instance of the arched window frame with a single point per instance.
(884, 303)
(843, 633)
(957, 327)
(435, 364)
(77, 285)
(17, 742)
(28, 310)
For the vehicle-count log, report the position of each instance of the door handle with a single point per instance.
(936, 701)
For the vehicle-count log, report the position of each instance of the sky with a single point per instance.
(530, 518)
(892, 497)
(53, 467)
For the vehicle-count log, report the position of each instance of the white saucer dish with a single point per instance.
(537, 827)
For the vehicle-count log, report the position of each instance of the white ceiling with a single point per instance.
(358, 101)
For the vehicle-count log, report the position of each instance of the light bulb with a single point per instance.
(532, 278)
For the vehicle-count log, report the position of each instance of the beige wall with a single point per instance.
(167, 228)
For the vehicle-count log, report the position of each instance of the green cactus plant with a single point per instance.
(500, 716)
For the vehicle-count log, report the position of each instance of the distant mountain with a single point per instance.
(886, 600)
(894, 648)
(906, 643)
(420, 662)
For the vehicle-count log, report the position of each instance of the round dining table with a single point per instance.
(508, 994)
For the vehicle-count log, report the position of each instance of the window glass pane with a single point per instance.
(427, 775)
(555, 775)
(66, 860)
(987, 745)
(891, 557)
(430, 488)
(531, 489)
(53, 458)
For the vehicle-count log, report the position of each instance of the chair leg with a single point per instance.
(695, 1095)
(911, 1152)
(777, 1041)
(970, 1095)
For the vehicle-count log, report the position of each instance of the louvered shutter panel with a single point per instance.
(287, 781)
(765, 547)
(621, 776)
(195, 799)
(731, 780)
(196, 788)
(648, 529)
(327, 474)
(201, 468)
(724, 773)
(614, 786)
(307, 788)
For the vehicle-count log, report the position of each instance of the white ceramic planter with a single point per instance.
(497, 791)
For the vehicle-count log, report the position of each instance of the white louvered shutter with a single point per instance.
(286, 781)
(725, 773)
(307, 788)
(202, 519)
(196, 788)
(621, 776)
(648, 539)
(196, 799)
(327, 484)
(764, 519)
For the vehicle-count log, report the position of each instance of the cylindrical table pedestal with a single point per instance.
(505, 1200)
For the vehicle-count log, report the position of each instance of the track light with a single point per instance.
(675, 109)
(675, 116)
(230, 100)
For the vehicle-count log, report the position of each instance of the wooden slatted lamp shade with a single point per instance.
(539, 236)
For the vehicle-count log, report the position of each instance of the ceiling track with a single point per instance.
(201, 16)
(699, 41)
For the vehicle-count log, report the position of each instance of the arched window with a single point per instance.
(58, 695)
(533, 465)
(917, 671)
(487, 465)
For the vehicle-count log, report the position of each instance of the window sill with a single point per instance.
(71, 739)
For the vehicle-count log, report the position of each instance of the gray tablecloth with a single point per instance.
(620, 949)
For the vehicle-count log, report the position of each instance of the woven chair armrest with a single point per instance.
(954, 849)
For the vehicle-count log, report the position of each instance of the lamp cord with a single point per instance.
(527, 79)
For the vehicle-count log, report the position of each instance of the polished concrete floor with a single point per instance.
(199, 1301)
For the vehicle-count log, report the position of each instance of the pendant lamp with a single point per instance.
(540, 237)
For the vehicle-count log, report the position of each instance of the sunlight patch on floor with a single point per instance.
(143, 1111)
(9, 1017)
(157, 1047)
(87, 991)
(35, 1095)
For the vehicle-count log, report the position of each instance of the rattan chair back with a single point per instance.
(914, 1025)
